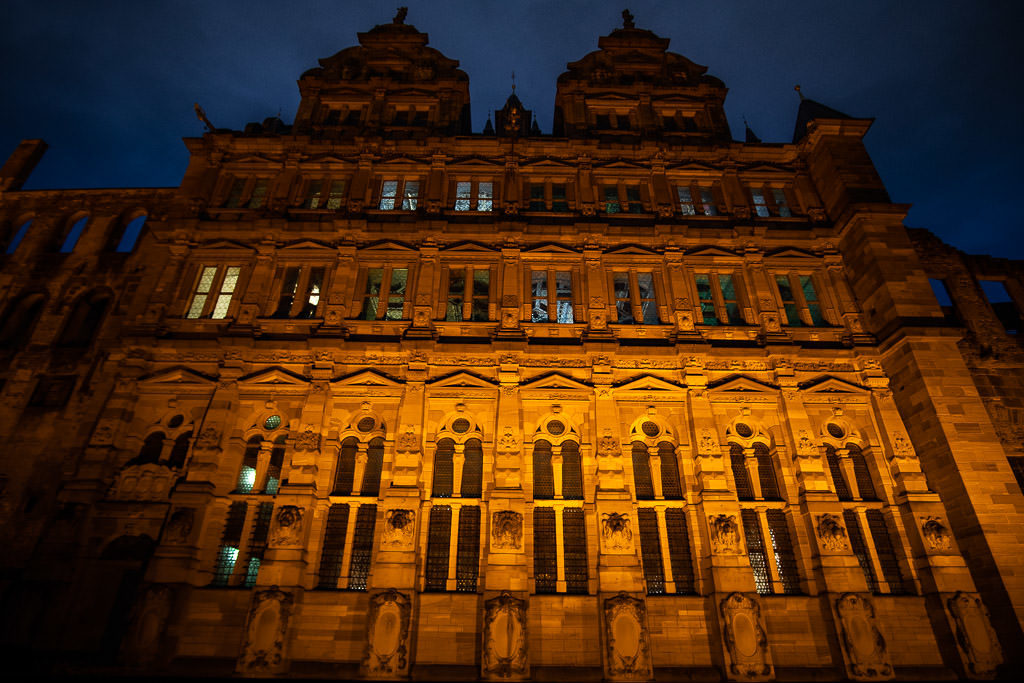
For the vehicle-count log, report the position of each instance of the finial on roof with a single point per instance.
(750, 136)
(488, 127)
(797, 88)
(534, 129)
(201, 115)
(513, 81)
(627, 19)
(400, 16)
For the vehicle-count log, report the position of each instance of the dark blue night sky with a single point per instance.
(110, 85)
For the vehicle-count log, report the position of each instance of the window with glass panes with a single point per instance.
(665, 551)
(635, 300)
(622, 198)
(774, 566)
(719, 302)
(552, 196)
(398, 195)
(385, 292)
(474, 196)
(274, 464)
(258, 196)
(362, 547)
(551, 292)
(800, 300)
(770, 201)
(370, 485)
(447, 567)
(543, 472)
(324, 193)
(300, 290)
(227, 553)
(258, 543)
(872, 545)
(332, 553)
(213, 291)
(695, 200)
(469, 294)
(344, 471)
(250, 461)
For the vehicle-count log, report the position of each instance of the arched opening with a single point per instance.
(130, 235)
(543, 475)
(766, 472)
(642, 472)
(345, 472)
(151, 450)
(18, 236)
(836, 470)
(744, 491)
(276, 462)
(73, 235)
(671, 484)
(861, 474)
(444, 469)
(179, 452)
(85, 319)
(374, 465)
(20, 319)
(572, 471)
(473, 469)
(250, 459)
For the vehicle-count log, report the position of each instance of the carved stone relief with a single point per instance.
(902, 447)
(707, 443)
(266, 633)
(936, 535)
(387, 653)
(399, 529)
(979, 646)
(288, 524)
(867, 657)
(505, 654)
(308, 440)
(143, 482)
(746, 643)
(408, 441)
(627, 642)
(506, 530)
(725, 535)
(615, 532)
(832, 534)
(179, 526)
(208, 439)
(141, 646)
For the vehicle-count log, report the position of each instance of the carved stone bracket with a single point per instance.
(707, 444)
(865, 650)
(143, 482)
(975, 637)
(387, 641)
(627, 641)
(505, 652)
(266, 634)
(178, 529)
(746, 643)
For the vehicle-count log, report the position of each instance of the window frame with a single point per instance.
(215, 291)
(636, 301)
(548, 190)
(626, 204)
(401, 202)
(361, 294)
(469, 268)
(777, 200)
(475, 197)
(325, 193)
(551, 272)
(561, 581)
(718, 300)
(700, 206)
(302, 284)
(803, 310)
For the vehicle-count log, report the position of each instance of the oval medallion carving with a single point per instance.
(862, 637)
(745, 635)
(977, 632)
(386, 632)
(627, 635)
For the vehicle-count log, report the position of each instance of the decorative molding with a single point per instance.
(725, 535)
(288, 526)
(266, 634)
(746, 643)
(387, 641)
(627, 641)
(506, 530)
(832, 534)
(505, 641)
(616, 536)
(975, 637)
(399, 529)
(867, 656)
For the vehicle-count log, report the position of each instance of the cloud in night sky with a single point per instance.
(110, 85)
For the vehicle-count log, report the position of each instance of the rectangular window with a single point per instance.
(760, 205)
(781, 203)
(800, 301)
(235, 193)
(467, 560)
(208, 277)
(559, 198)
(574, 539)
(258, 542)
(719, 303)
(258, 197)
(785, 557)
(622, 197)
(333, 551)
(679, 550)
(394, 304)
(860, 549)
(545, 551)
(551, 291)
(227, 290)
(537, 200)
(312, 296)
(633, 202)
(312, 200)
(392, 190)
(289, 285)
(469, 294)
(362, 547)
(756, 553)
(474, 196)
(611, 199)
(887, 560)
(549, 196)
(439, 537)
(771, 201)
(1002, 304)
(635, 299)
(650, 547)
(686, 205)
(227, 554)
(293, 280)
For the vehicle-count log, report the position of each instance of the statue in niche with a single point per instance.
(615, 531)
(746, 642)
(505, 639)
(867, 657)
(266, 633)
(977, 640)
(506, 530)
(832, 534)
(627, 639)
(725, 535)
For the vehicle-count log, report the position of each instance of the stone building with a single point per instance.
(375, 395)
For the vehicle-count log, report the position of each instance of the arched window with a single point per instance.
(74, 234)
(84, 322)
(543, 475)
(131, 235)
(15, 242)
(247, 475)
(151, 449)
(473, 469)
(861, 474)
(374, 465)
(344, 474)
(444, 469)
(180, 450)
(766, 472)
(739, 472)
(274, 468)
(21, 317)
(642, 472)
(836, 470)
(671, 487)
(572, 471)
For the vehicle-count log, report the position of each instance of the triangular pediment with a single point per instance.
(226, 245)
(306, 245)
(790, 252)
(827, 384)
(631, 249)
(741, 384)
(648, 384)
(546, 162)
(550, 248)
(462, 379)
(476, 161)
(251, 159)
(401, 160)
(555, 380)
(622, 165)
(694, 166)
(176, 375)
(762, 168)
(366, 378)
(469, 247)
(326, 159)
(412, 92)
(273, 377)
(389, 246)
(609, 97)
(710, 251)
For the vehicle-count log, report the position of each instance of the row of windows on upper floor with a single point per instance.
(121, 240)
(554, 295)
(691, 198)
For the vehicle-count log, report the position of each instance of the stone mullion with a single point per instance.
(681, 292)
(666, 558)
(761, 293)
(846, 465)
(357, 478)
(340, 288)
(559, 550)
(599, 308)
(262, 465)
(453, 546)
(753, 472)
(350, 533)
(458, 463)
(655, 464)
(425, 294)
(512, 308)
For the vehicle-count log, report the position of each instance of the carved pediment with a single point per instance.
(826, 384)
(628, 249)
(251, 159)
(306, 246)
(742, 388)
(762, 167)
(555, 381)
(541, 163)
(695, 166)
(175, 377)
(551, 248)
(462, 378)
(648, 384)
(390, 246)
(469, 247)
(476, 160)
(226, 246)
(402, 160)
(790, 252)
(328, 159)
(620, 165)
(367, 378)
(711, 251)
(278, 377)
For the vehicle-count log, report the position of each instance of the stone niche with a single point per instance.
(975, 637)
(142, 642)
(266, 634)
(745, 640)
(505, 652)
(627, 642)
(864, 648)
(387, 636)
